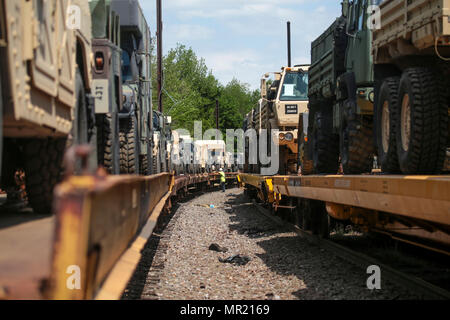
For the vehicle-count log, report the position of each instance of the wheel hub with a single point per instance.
(385, 127)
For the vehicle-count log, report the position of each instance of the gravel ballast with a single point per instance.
(272, 262)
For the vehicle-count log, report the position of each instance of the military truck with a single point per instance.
(356, 106)
(281, 103)
(411, 52)
(161, 142)
(46, 84)
(135, 117)
(107, 82)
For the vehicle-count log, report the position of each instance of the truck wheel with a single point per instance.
(387, 113)
(422, 123)
(155, 165)
(108, 148)
(129, 154)
(143, 170)
(356, 144)
(325, 145)
(43, 163)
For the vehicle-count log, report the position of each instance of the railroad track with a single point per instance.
(413, 283)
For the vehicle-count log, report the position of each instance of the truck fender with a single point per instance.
(346, 86)
(346, 93)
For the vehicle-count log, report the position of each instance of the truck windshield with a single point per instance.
(295, 87)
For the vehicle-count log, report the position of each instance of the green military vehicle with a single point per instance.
(107, 82)
(341, 95)
(136, 114)
(395, 106)
(162, 138)
(46, 98)
(411, 52)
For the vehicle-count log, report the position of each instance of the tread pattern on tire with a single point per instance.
(43, 163)
(128, 149)
(360, 145)
(325, 145)
(105, 137)
(143, 164)
(429, 122)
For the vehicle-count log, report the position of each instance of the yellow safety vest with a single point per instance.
(222, 177)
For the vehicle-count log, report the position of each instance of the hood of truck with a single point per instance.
(288, 112)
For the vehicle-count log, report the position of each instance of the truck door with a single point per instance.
(359, 56)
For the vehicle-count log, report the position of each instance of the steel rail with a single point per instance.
(413, 283)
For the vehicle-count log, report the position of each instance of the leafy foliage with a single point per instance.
(190, 92)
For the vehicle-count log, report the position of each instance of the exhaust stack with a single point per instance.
(289, 43)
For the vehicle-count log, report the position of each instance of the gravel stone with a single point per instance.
(283, 265)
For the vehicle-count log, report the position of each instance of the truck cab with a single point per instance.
(282, 101)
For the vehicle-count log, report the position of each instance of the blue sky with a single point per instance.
(243, 39)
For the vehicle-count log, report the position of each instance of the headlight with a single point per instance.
(281, 136)
(289, 137)
(372, 96)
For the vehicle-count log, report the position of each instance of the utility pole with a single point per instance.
(217, 119)
(159, 53)
(289, 43)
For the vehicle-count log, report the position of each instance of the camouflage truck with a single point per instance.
(107, 82)
(46, 84)
(281, 103)
(361, 66)
(411, 52)
(135, 117)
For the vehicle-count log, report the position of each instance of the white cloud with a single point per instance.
(244, 38)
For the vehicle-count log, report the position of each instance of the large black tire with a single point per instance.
(386, 121)
(143, 166)
(43, 163)
(422, 123)
(325, 144)
(129, 152)
(356, 143)
(155, 166)
(108, 144)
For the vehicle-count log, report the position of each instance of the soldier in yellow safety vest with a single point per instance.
(223, 180)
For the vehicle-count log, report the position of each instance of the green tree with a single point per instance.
(190, 92)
